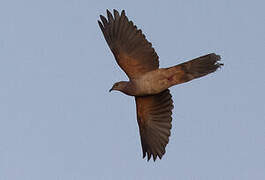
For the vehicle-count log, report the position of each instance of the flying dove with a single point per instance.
(147, 82)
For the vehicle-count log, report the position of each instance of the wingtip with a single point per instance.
(116, 14)
(103, 19)
(99, 23)
(123, 12)
(149, 155)
(154, 157)
(110, 17)
(160, 156)
(144, 154)
(115, 11)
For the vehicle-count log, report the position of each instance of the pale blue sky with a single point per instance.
(59, 122)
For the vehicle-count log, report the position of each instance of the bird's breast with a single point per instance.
(152, 82)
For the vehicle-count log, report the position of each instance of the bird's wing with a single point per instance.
(132, 51)
(154, 120)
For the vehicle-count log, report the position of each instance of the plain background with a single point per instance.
(59, 122)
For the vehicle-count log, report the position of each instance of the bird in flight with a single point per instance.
(147, 82)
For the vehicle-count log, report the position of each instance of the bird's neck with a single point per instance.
(129, 88)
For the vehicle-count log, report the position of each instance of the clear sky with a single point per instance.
(59, 122)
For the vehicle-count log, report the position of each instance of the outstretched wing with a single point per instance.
(154, 120)
(132, 51)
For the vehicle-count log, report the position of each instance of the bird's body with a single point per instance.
(150, 83)
(147, 82)
(156, 81)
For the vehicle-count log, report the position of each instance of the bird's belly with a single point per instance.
(152, 83)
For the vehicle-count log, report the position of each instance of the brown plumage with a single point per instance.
(149, 84)
(133, 52)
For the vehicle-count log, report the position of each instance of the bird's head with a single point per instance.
(119, 86)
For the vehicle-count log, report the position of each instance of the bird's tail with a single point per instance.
(195, 68)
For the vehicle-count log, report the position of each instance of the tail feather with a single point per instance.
(195, 68)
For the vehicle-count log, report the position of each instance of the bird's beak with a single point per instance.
(110, 89)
